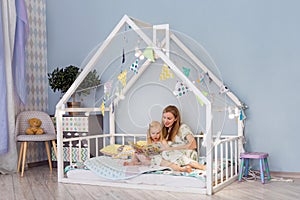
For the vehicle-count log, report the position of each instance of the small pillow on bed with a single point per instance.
(141, 143)
(124, 152)
(118, 151)
(110, 150)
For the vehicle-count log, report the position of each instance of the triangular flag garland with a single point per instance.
(201, 78)
(119, 94)
(186, 71)
(102, 108)
(122, 77)
(166, 73)
(209, 78)
(199, 99)
(148, 53)
(107, 88)
(123, 56)
(134, 66)
(180, 89)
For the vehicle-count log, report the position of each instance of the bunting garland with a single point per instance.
(134, 66)
(166, 73)
(180, 89)
(186, 71)
(102, 108)
(148, 53)
(199, 99)
(122, 77)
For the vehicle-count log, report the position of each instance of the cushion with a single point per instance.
(110, 150)
(141, 143)
(124, 152)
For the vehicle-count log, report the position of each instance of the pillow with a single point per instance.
(141, 143)
(124, 152)
(110, 150)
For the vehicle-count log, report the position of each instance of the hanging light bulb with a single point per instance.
(142, 57)
(137, 52)
(233, 112)
(230, 113)
(231, 116)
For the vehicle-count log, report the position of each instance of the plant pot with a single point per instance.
(73, 105)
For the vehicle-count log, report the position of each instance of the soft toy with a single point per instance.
(34, 128)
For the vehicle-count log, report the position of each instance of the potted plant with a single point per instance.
(61, 79)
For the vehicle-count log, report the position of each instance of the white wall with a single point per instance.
(254, 43)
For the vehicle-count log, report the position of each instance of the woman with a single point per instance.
(181, 142)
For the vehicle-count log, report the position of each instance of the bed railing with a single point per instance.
(225, 153)
(226, 161)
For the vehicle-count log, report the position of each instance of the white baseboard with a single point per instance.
(286, 174)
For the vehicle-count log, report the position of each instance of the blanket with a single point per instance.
(113, 169)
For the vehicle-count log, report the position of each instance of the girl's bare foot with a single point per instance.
(187, 169)
(131, 163)
(197, 165)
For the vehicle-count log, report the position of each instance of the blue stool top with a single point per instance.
(255, 155)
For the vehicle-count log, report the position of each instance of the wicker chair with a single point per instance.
(49, 135)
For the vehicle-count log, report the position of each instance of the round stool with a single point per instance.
(263, 162)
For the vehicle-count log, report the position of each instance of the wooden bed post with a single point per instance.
(209, 150)
(59, 135)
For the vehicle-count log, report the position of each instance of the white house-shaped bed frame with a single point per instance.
(137, 27)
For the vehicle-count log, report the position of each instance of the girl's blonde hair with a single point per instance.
(169, 135)
(154, 126)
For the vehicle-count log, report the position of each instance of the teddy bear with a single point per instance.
(35, 127)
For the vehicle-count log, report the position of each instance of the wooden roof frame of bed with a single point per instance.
(137, 26)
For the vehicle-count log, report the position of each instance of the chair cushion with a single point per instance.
(36, 138)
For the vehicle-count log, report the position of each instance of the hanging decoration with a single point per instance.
(201, 78)
(103, 108)
(123, 56)
(233, 112)
(166, 73)
(107, 88)
(199, 99)
(119, 93)
(134, 66)
(122, 77)
(124, 44)
(180, 89)
(149, 54)
(139, 54)
(209, 78)
(186, 71)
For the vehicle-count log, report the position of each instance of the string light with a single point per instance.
(139, 54)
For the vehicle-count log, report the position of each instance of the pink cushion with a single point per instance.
(255, 155)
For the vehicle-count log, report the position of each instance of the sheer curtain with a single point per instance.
(8, 150)
(18, 61)
(13, 28)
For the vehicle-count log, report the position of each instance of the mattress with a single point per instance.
(147, 179)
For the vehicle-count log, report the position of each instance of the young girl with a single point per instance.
(155, 138)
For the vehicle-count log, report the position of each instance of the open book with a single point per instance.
(147, 150)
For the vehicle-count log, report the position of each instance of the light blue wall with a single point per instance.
(254, 43)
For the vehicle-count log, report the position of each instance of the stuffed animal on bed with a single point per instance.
(35, 127)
